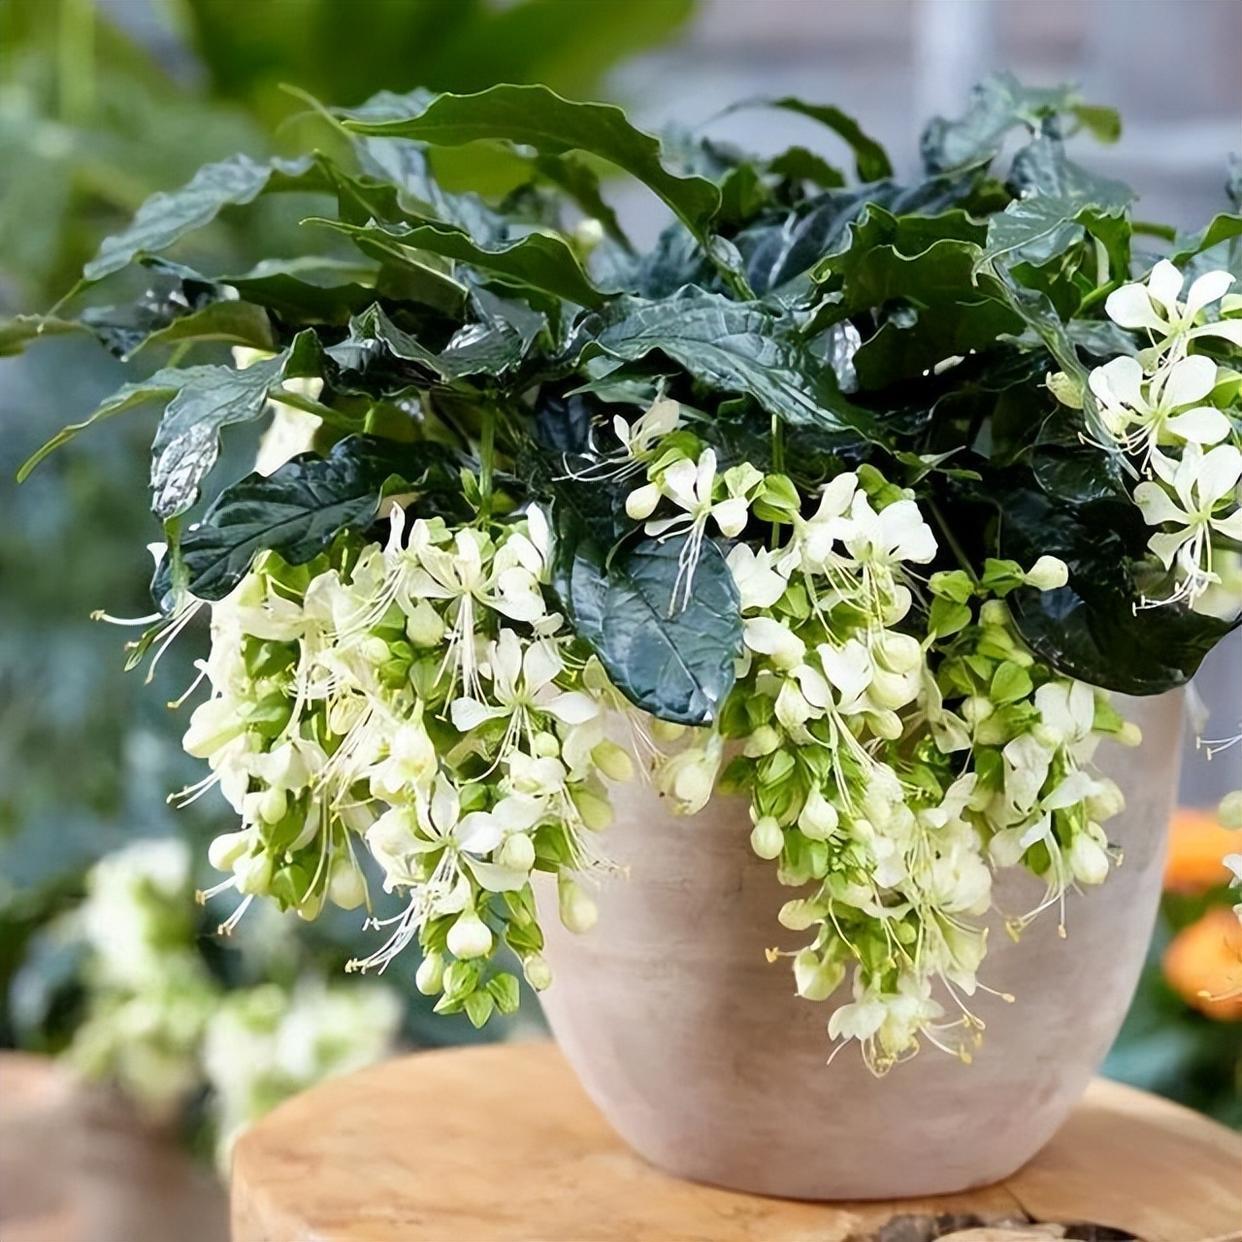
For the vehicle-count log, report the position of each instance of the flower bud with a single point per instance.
(595, 810)
(254, 874)
(994, 614)
(1129, 734)
(429, 978)
(818, 818)
(347, 890)
(538, 973)
(886, 725)
(1107, 801)
(272, 805)
(1231, 810)
(546, 745)
(517, 853)
(667, 730)
(227, 848)
(898, 653)
(1066, 389)
(766, 838)
(641, 502)
(1047, 574)
(424, 627)
(613, 761)
(891, 690)
(763, 741)
(1088, 859)
(976, 709)
(816, 980)
(469, 936)
(578, 912)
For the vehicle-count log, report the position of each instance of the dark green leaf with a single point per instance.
(300, 508)
(677, 665)
(537, 117)
(733, 346)
(997, 105)
(166, 217)
(16, 331)
(871, 160)
(235, 323)
(800, 164)
(538, 260)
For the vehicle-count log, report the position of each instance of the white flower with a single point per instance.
(1234, 863)
(1008, 846)
(1067, 714)
(522, 683)
(770, 637)
(1141, 413)
(640, 437)
(818, 534)
(1203, 502)
(759, 583)
(1155, 306)
(1047, 574)
(895, 534)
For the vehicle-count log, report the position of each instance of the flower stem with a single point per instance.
(956, 548)
(487, 454)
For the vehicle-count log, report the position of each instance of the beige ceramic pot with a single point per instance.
(697, 1050)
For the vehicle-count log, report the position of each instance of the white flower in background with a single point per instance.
(640, 437)
(760, 582)
(1200, 500)
(897, 533)
(291, 431)
(1155, 307)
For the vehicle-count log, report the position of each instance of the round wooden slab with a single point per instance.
(500, 1143)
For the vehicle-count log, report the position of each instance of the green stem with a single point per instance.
(75, 61)
(778, 467)
(1150, 228)
(487, 456)
(334, 418)
(950, 539)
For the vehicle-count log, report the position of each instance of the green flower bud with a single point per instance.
(1088, 859)
(1107, 801)
(469, 937)
(1129, 734)
(801, 913)
(667, 730)
(994, 613)
(763, 741)
(538, 973)
(254, 874)
(578, 912)
(517, 852)
(1065, 388)
(613, 761)
(273, 804)
(596, 811)
(429, 978)
(816, 980)
(1231, 810)
(347, 890)
(424, 627)
(976, 709)
(898, 653)
(766, 838)
(885, 724)
(818, 818)
(546, 745)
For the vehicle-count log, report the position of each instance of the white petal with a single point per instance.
(1205, 425)
(1229, 329)
(1219, 473)
(1072, 790)
(1230, 527)
(540, 665)
(705, 474)
(467, 714)
(478, 833)
(497, 879)
(1188, 382)
(1157, 505)
(1166, 546)
(1119, 383)
(1208, 288)
(445, 805)
(1164, 284)
(1130, 307)
(574, 707)
(835, 499)
(731, 516)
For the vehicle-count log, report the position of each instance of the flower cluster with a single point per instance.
(418, 699)
(888, 771)
(161, 1028)
(1176, 412)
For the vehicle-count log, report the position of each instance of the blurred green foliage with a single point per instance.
(101, 105)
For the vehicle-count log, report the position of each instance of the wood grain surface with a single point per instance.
(483, 1144)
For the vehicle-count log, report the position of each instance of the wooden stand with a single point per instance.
(500, 1144)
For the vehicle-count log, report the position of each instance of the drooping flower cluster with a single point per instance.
(1176, 412)
(889, 772)
(418, 700)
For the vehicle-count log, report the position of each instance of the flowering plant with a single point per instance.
(850, 499)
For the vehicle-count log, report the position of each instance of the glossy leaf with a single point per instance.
(678, 665)
(871, 160)
(537, 117)
(300, 508)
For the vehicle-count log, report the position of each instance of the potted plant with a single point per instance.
(833, 517)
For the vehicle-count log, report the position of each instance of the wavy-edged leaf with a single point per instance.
(870, 159)
(739, 347)
(168, 216)
(234, 323)
(300, 508)
(537, 117)
(17, 331)
(539, 260)
(999, 104)
(676, 665)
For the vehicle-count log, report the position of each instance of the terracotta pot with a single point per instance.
(697, 1050)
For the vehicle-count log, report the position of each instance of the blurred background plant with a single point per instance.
(102, 104)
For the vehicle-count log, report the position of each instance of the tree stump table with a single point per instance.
(500, 1143)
